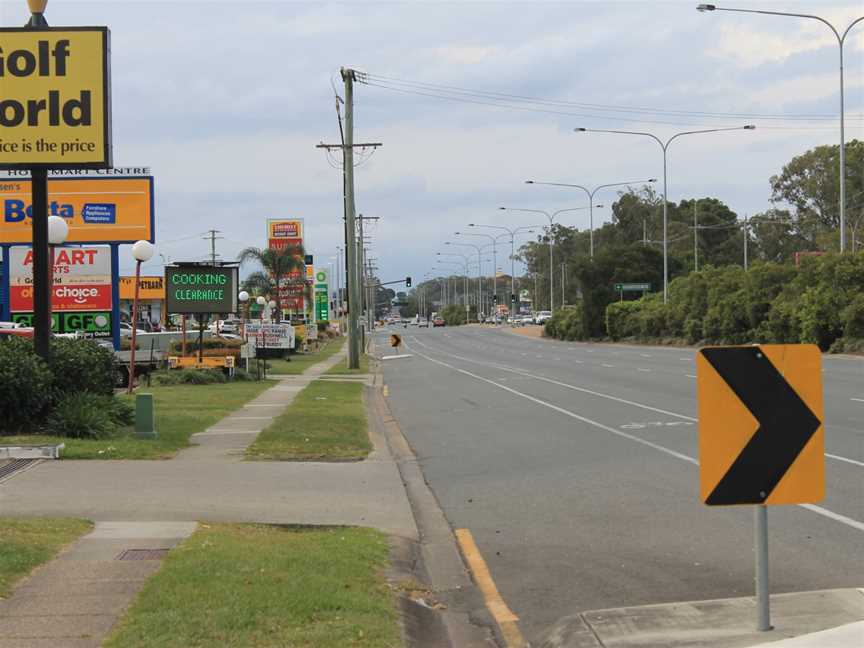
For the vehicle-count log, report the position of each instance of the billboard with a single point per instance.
(56, 103)
(97, 210)
(322, 296)
(95, 324)
(149, 288)
(200, 289)
(284, 231)
(81, 279)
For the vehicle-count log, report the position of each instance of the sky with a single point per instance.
(226, 101)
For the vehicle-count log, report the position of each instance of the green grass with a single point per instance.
(258, 586)
(181, 411)
(342, 369)
(326, 422)
(301, 361)
(27, 543)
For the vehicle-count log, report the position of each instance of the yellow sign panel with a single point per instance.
(291, 229)
(97, 210)
(149, 288)
(761, 433)
(55, 107)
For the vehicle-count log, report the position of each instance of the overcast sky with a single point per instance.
(225, 101)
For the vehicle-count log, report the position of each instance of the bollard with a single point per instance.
(145, 417)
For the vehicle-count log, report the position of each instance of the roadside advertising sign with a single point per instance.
(97, 210)
(200, 289)
(322, 296)
(82, 279)
(284, 232)
(92, 324)
(149, 288)
(56, 101)
(270, 336)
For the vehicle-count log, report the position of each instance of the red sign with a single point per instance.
(282, 243)
(75, 297)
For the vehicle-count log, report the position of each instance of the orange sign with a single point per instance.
(285, 229)
(97, 210)
(761, 433)
(149, 288)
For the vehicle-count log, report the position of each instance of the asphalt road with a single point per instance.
(574, 467)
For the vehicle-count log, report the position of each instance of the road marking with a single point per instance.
(860, 400)
(608, 365)
(646, 355)
(592, 392)
(385, 390)
(642, 369)
(690, 375)
(502, 614)
(855, 524)
(685, 359)
(396, 357)
(578, 361)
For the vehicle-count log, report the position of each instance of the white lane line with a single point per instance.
(646, 355)
(578, 361)
(607, 365)
(642, 369)
(855, 524)
(860, 400)
(599, 394)
(690, 375)
(685, 359)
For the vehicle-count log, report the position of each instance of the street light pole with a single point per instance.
(551, 218)
(479, 274)
(142, 251)
(494, 263)
(841, 39)
(464, 265)
(590, 193)
(664, 147)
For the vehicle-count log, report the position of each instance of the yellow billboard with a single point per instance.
(97, 210)
(151, 287)
(55, 108)
(285, 231)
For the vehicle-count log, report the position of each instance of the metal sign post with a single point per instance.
(763, 599)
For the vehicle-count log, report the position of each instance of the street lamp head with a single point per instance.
(581, 130)
(471, 225)
(261, 300)
(58, 230)
(529, 182)
(598, 206)
(37, 6)
(750, 127)
(502, 208)
(143, 251)
(652, 179)
(706, 7)
(243, 296)
(272, 304)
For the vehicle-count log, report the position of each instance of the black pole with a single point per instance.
(201, 340)
(41, 263)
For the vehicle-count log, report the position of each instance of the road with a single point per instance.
(574, 468)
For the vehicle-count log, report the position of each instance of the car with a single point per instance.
(423, 323)
(126, 330)
(543, 317)
(437, 322)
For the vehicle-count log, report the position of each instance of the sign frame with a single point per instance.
(233, 286)
(107, 143)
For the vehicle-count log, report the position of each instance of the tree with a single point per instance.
(279, 263)
(810, 184)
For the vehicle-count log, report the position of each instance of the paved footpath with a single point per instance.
(152, 505)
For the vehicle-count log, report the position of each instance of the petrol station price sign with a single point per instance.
(200, 289)
(55, 108)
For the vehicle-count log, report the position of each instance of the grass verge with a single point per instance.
(262, 586)
(301, 361)
(181, 411)
(27, 543)
(326, 422)
(341, 369)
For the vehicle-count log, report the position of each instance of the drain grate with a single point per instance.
(142, 554)
(13, 466)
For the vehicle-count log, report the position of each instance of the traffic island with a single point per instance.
(261, 585)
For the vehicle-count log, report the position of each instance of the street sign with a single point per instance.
(632, 287)
(56, 103)
(200, 289)
(270, 336)
(761, 435)
(97, 210)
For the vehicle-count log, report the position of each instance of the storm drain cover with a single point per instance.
(142, 554)
(7, 468)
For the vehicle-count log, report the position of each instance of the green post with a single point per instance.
(145, 417)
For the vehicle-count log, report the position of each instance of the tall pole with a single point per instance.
(133, 341)
(551, 297)
(512, 275)
(42, 288)
(695, 239)
(746, 236)
(351, 242)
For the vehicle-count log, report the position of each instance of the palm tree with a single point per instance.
(278, 263)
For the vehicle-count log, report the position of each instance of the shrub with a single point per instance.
(81, 415)
(121, 412)
(853, 318)
(176, 346)
(453, 315)
(80, 365)
(188, 377)
(25, 386)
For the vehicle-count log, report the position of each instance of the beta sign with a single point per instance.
(55, 108)
(200, 289)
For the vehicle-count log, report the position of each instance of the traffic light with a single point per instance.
(512, 298)
(407, 282)
(495, 299)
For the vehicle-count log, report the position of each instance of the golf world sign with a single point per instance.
(55, 107)
(200, 289)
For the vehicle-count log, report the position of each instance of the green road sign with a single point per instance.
(632, 287)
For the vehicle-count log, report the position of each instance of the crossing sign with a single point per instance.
(761, 434)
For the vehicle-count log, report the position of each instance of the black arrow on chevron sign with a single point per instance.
(786, 424)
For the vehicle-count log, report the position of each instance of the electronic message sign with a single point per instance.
(97, 210)
(200, 289)
(55, 109)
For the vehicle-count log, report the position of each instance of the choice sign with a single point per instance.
(81, 279)
(200, 289)
(55, 109)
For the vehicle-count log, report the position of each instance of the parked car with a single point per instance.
(543, 317)
(126, 330)
(437, 322)
(423, 323)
